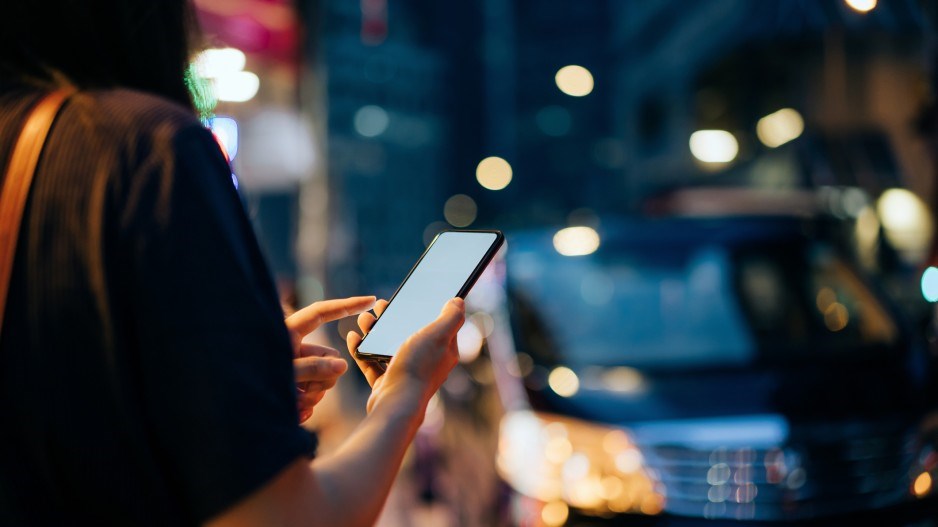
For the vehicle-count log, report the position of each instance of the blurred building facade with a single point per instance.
(390, 95)
(725, 64)
(418, 93)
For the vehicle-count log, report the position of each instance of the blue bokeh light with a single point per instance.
(930, 284)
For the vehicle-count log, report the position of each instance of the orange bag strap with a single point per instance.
(19, 178)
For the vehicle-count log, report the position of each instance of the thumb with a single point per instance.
(450, 320)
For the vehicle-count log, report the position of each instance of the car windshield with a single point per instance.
(693, 305)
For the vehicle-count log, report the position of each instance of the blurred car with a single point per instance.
(733, 367)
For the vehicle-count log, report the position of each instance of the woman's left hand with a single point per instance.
(317, 368)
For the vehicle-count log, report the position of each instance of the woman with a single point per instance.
(145, 365)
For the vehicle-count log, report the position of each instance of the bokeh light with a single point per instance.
(898, 209)
(494, 173)
(213, 63)
(930, 284)
(558, 449)
(555, 513)
(576, 241)
(612, 487)
(563, 381)
(371, 121)
(616, 441)
(922, 485)
(780, 127)
(237, 86)
(574, 80)
(460, 210)
(224, 68)
(628, 461)
(225, 130)
(622, 379)
(714, 146)
(484, 322)
(867, 235)
(469, 342)
(861, 6)
(825, 297)
(906, 221)
(836, 317)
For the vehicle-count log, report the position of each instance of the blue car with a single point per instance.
(734, 368)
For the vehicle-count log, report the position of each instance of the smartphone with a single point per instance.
(448, 268)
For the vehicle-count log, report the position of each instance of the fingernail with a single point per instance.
(458, 302)
(338, 365)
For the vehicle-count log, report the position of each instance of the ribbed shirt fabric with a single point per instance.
(145, 369)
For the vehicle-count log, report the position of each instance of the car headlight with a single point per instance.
(559, 460)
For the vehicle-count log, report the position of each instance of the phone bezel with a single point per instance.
(467, 286)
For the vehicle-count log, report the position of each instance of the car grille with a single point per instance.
(818, 472)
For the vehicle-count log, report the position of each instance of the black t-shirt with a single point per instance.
(145, 369)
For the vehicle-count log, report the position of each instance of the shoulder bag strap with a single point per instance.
(19, 178)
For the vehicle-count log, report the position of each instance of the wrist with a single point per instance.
(402, 402)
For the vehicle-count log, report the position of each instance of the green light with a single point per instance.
(200, 89)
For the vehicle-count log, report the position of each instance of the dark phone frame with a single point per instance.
(467, 286)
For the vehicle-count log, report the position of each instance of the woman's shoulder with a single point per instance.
(152, 146)
(145, 131)
(133, 112)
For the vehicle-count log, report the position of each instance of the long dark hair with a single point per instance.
(138, 44)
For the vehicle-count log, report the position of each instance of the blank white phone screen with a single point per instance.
(446, 266)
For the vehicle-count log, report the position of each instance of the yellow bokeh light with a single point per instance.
(460, 210)
(612, 487)
(623, 379)
(780, 127)
(867, 229)
(906, 220)
(652, 505)
(836, 316)
(629, 461)
(555, 513)
(616, 441)
(714, 146)
(900, 209)
(558, 449)
(493, 173)
(574, 80)
(576, 241)
(922, 485)
(586, 493)
(556, 430)
(564, 381)
(862, 6)
(825, 297)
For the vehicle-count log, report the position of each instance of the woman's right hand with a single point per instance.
(423, 361)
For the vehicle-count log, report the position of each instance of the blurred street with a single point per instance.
(716, 304)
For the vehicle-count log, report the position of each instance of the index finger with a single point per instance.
(311, 317)
(380, 306)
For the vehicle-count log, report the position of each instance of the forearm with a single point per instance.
(356, 479)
